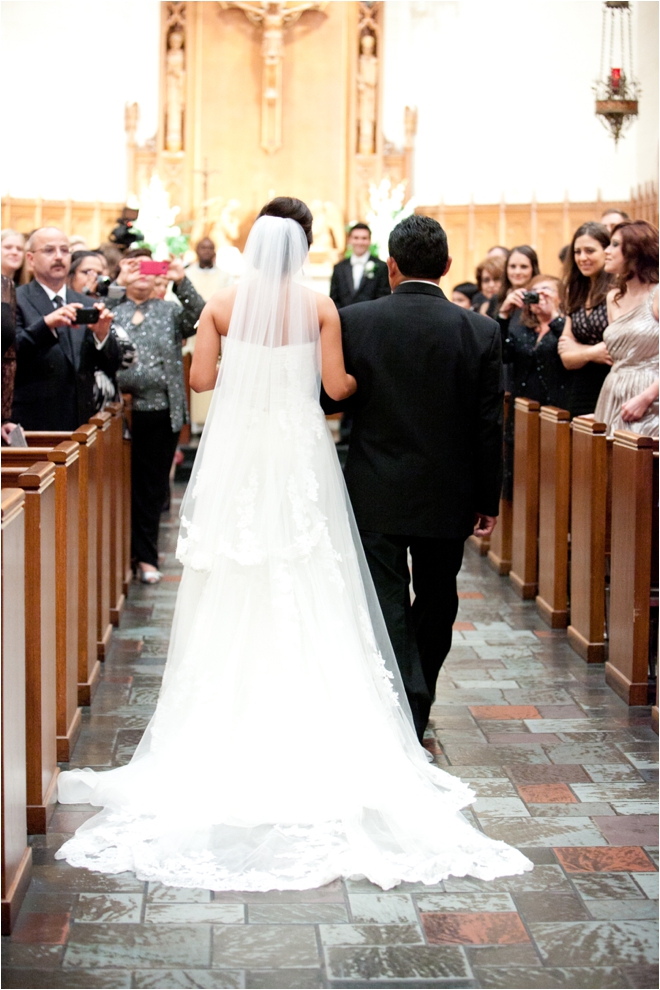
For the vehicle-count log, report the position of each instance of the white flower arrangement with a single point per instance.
(156, 223)
(387, 209)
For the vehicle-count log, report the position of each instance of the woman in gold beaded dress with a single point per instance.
(629, 396)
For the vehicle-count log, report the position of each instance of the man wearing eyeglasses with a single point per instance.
(56, 358)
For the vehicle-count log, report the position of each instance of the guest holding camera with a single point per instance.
(13, 254)
(61, 341)
(530, 349)
(581, 347)
(88, 276)
(629, 396)
(156, 383)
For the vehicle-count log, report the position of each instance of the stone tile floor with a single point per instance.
(562, 769)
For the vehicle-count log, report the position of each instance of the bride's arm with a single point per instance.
(213, 324)
(336, 382)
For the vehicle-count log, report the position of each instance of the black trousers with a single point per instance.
(153, 448)
(420, 633)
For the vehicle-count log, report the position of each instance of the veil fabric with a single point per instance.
(282, 752)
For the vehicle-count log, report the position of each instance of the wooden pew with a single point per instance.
(499, 549)
(67, 483)
(89, 667)
(38, 483)
(589, 496)
(116, 444)
(127, 569)
(525, 522)
(634, 506)
(102, 422)
(16, 854)
(554, 513)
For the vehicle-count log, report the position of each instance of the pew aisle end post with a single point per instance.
(633, 564)
(554, 514)
(16, 854)
(589, 496)
(499, 549)
(525, 520)
(102, 421)
(38, 484)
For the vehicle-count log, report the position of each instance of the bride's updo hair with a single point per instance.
(290, 209)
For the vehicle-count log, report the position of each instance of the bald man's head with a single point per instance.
(49, 256)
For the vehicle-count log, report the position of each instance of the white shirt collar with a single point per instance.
(426, 281)
(51, 295)
(361, 259)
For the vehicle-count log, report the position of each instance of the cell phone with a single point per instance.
(87, 315)
(154, 267)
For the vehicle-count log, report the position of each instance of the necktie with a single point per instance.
(57, 302)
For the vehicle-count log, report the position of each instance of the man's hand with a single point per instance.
(176, 272)
(484, 525)
(102, 328)
(65, 316)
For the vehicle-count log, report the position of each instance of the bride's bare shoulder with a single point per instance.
(220, 307)
(324, 304)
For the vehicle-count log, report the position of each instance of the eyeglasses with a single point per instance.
(50, 251)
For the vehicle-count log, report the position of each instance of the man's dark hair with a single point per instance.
(143, 252)
(621, 213)
(290, 209)
(359, 226)
(419, 246)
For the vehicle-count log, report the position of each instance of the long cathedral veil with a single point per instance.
(282, 752)
(257, 388)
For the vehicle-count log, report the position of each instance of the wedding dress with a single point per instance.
(282, 752)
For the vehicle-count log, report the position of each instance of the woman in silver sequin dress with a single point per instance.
(155, 381)
(629, 397)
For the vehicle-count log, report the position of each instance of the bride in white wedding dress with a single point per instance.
(282, 752)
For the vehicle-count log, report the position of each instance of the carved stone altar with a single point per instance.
(259, 99)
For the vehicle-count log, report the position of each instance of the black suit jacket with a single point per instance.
(54, 386)
(372, 285)
(426, 448)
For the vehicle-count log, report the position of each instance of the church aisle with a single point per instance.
(562, 769)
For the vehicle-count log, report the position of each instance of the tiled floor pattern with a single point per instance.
(562, 769)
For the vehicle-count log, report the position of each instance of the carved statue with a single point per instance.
(272, 18)
(218, 219)
(367, 83)
(175, 91)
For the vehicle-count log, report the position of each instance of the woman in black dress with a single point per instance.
(581, 346)
(529, 347)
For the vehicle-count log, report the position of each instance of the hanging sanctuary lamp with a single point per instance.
(617, 89)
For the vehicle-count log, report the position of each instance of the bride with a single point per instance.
(282, 752)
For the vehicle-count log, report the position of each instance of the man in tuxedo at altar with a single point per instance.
(360, 277)
(424, 467)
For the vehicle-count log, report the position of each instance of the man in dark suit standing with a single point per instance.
(360, 277)
(56, 359)
(424, 467)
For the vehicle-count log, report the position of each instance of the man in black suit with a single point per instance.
(56, 359)
(424, 467)
(360, 277)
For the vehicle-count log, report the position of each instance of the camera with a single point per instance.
(102, 287)
(530, 298)
(125, 234)
(87, 315)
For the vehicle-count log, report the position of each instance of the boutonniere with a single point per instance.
(369, 269)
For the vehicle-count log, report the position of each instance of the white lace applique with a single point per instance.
(377, 656)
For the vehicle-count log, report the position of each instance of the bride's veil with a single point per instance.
(258, 505)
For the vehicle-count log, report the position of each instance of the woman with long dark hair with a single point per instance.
(581, 346)
(521, 267)
(629, 397)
